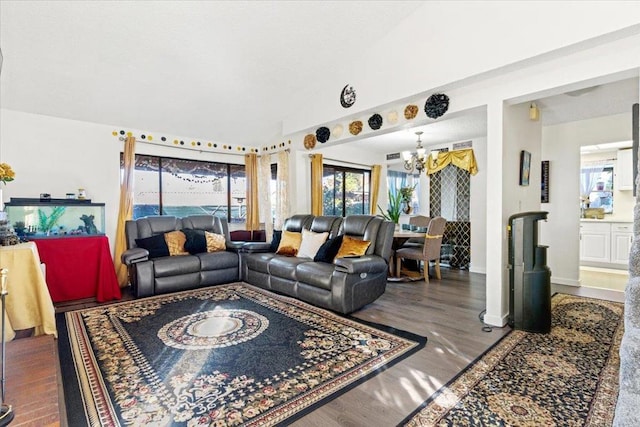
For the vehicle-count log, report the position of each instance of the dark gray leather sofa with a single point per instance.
(176, 273)
(344, 286)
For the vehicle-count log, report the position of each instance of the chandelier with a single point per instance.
(415, 159)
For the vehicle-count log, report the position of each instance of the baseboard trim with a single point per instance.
(564, 281)
(480, 270)
(498, 321)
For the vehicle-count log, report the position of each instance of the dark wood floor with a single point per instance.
(445, 311)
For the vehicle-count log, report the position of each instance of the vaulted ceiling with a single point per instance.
(218, 70)
(224, 71)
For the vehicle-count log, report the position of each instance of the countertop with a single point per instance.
(629, 220)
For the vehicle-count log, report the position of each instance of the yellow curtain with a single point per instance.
(316, 184)
(253, 211)
(375, 187)
(464, 159)
(125, 211)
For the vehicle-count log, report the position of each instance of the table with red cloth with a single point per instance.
(78, 268)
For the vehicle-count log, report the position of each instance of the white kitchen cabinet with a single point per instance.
(624, 170)
(595, 242)
(605, 244)
(621, 239)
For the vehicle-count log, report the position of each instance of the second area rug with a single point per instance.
(568, 377)
(224, 355)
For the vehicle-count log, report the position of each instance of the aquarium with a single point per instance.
(55, 217)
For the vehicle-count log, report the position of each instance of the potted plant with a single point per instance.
(406, 194)
(395, 207)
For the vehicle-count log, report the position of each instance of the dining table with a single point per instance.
(400, 237)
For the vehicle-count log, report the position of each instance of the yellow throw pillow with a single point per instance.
(352, 247)
(175, 242)
(289, 243)
(215, 242)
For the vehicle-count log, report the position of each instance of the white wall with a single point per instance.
(561, 146)
(431, 48)
(58, 156)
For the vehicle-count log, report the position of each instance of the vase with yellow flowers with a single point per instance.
(6, 175)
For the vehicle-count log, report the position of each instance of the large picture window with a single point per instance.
(345, 191)
(180, 187)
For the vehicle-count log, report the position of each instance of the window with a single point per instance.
(345, 191)
(597, 182)
(180, 187)
(401, 179)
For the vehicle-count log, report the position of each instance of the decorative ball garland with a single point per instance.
(436, 105)
(322, 134)
(375, 121)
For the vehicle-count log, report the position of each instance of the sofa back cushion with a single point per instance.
(150, 226)
(362, 227)
(297, 223)
(329, 224)
(210, 223)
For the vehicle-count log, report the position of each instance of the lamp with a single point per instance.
(416, 159)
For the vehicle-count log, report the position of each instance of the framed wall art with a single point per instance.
(525, 167)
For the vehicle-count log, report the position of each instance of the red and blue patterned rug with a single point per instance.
(568, 377)
(224, 355)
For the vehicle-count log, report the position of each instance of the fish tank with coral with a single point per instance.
(39, 218)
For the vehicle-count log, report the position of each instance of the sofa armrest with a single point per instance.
(253, 247)
(133, 255)
(234, 246)
(362, 264)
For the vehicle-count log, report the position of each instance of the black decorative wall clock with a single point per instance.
(347, 96)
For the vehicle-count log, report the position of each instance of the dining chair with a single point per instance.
(417, 221)
(430, 251)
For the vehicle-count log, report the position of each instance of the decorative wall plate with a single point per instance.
(410, 112)
(322, 134)
(347, 96)
(375, 121)
(436, 105)
(355, 127)
(309, 141)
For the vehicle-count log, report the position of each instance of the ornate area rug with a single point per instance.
(568, 377)
(223, 355)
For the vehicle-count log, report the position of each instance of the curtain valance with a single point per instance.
(464, 159)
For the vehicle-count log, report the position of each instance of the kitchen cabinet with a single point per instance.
(621, 239)
(624, 170)
(605, 244)
(595, 242)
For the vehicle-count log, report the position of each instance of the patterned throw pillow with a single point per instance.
(215, 242)
(175, 242)
(289, 243)
(311, 242)
(352, 247)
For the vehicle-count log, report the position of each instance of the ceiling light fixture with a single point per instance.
(415, 159)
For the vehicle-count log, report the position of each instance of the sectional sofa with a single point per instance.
(341, 284)
(344, 284)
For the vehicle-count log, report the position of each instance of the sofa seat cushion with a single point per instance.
(317, 274)
(285, 267)
(176, 265)
(258, 261)
(217, 260)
